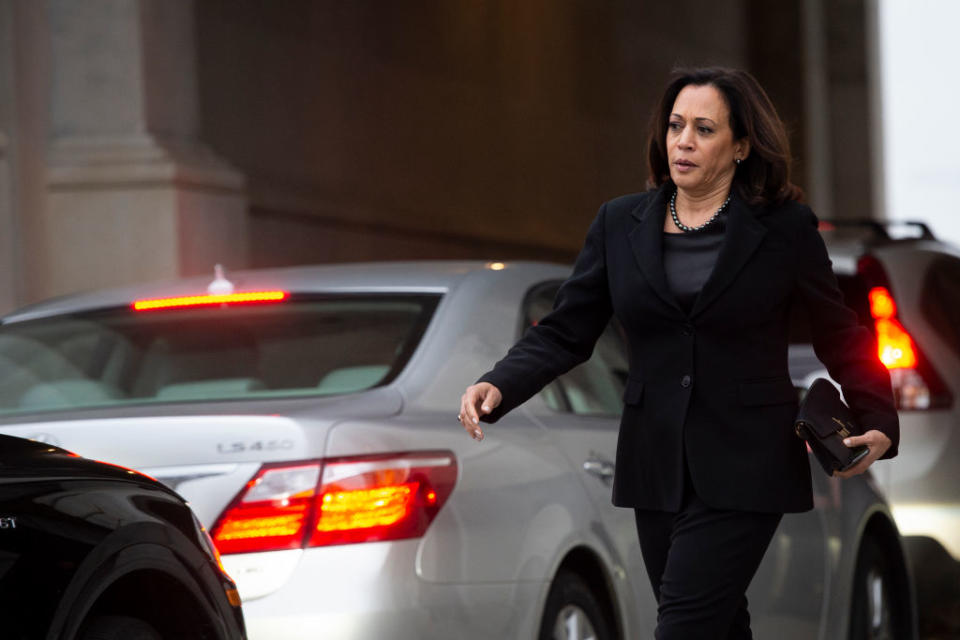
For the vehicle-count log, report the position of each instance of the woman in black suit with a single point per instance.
(701, 272)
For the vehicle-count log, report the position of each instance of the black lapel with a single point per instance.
(646, 241)
(743, 235)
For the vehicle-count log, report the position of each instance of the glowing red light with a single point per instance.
(357, 499)
(882, 305)
(366, 508)
(895, 345)
(249, 297)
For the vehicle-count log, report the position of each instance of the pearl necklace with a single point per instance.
(685, 228)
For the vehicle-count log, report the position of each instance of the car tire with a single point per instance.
(877, 612)
(572, 612)
(119, 628)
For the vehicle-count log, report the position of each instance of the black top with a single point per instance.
(688, 259)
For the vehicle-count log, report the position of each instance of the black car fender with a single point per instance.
(148, 549)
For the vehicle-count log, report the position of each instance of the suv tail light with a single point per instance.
(895, 345)
(916, 385)
(337, 501)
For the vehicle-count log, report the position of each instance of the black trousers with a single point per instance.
(700, 562)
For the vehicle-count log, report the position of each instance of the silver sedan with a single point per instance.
(309, 416)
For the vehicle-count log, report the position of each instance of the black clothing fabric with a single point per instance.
(710, 385)
(700, 562)
(688, 259)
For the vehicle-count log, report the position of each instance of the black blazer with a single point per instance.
(712, 384)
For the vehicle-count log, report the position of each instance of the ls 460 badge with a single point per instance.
(259, 445)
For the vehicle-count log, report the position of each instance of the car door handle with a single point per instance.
(602, 469)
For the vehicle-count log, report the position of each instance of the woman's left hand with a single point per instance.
(876, 441)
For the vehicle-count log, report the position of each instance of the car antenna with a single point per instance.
(220, 285)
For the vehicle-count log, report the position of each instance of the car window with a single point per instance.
(594, 387)
(940, 299)
(304, 346)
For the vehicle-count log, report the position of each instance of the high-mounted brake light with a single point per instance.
(337, 501)
(249, 297)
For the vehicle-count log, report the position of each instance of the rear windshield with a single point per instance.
(302, 347)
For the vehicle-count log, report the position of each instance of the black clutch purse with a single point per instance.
(824, 421)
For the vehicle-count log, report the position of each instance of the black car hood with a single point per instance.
(28, 459)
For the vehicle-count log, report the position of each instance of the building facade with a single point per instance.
(149, 139)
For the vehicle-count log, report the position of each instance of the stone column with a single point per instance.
(9, 262)
(839, 158)
(9, 265)
(133, 195)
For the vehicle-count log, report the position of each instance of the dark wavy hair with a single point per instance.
(763, 177)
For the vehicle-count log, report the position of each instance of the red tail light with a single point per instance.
(916, 384)
(882, 305)
(362, 500)
(337, 501)
(894, 344)
(272, 512)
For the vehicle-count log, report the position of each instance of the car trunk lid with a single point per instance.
(208, 458)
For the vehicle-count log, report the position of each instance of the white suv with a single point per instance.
(905, 286)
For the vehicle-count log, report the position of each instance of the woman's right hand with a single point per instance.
(479, 398)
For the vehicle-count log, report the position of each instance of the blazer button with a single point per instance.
(685, 381)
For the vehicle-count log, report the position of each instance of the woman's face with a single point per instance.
(700, 145)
